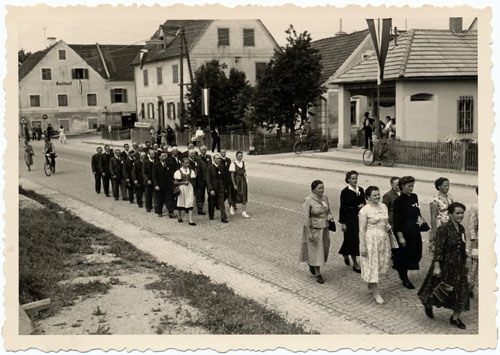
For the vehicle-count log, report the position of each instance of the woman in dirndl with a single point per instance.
(315, 243)
(183, 179)
(239, 180)
(450, 267)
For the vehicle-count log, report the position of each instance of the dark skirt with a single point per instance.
(350, 246)
(408, 258)
(453, 273)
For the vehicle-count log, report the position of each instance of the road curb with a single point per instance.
(364, 172)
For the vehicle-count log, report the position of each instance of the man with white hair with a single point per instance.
(216, 188)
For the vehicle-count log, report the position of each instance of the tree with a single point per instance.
(22, 55)
(291, 83)
(229, 96)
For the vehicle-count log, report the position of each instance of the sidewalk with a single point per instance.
(337, 160)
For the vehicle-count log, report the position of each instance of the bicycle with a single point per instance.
(304, 143)
(48, 167)
(379, 151)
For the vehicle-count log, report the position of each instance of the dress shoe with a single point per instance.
(116, 198)
(148, 210)
(201, 213)
(179, 220)
(320, 279)
(211, 218)
(311, 270)
(160, 215)
(408, 284)
(458, 323)
(192, 223)
(125, 199)
(356, 270)
(428, 311)
(107, 195)
(224, 221)
(346, 260)
(245, 215)
(171, 215)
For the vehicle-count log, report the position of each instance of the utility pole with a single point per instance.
(187, 58)
(44, 36)
(181, 81)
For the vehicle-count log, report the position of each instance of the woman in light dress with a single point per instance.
(315, 245)
(62, 135)
(239, 180)
(183, 178)
(374, 243)
(439, 208)
(28, 154)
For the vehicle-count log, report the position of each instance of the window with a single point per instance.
(353, 112)
(118, 95)
(79, 73)
(143, 110)
(151, 110)
(422, 97)
(175, 73)
(65, 123)
(46, 74)
(260, 69)
(248, 37)
(159, 76)
(223, 35)
(145, 77)
(171, 111)
(465, 122)
(34, 100)
(62, 100)
(91, 99)
(62, 54)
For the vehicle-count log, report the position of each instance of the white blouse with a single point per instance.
(232, 167)
(178, 175)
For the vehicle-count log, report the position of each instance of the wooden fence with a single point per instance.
(461, 156)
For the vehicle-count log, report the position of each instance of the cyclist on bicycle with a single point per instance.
(50, 152)
(307, 134)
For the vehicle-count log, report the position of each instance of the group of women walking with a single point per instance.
(377, 229)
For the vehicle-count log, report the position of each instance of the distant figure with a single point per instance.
(170, 136)
(33, 133)
(378, 127)
(215, 140)
(163, 137)
(200, 135)
(439, 208)
(367, 128)
(96, 169)
(50, 129)
(389, 131)
(28, 154)
(62, 135)
(39, 132)
(26, 133)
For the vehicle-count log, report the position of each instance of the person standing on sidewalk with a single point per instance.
(104, 167)
(315, 244)
(96, 169)
(407, 222)
(216, 188)
(352, 199)
(62, 135)
(240, 185)
(215, 140)
(138, 178)
(147, 175)
(439, 208)
(50, 129)
(374, 244)
(390, 197)
(367, 128)
(115, 169)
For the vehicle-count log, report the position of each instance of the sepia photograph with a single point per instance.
(253, 171)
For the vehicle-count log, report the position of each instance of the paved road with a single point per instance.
(266, 245)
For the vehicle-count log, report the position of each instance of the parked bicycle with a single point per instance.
(310, 143)
(380, 151)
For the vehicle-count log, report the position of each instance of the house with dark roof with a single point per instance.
(339, 53)
(430, 85)
(245, 45)
(78, 86)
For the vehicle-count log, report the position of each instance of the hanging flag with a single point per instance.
(381, 38)
(142, 57)
(204, 101)
(80, 87)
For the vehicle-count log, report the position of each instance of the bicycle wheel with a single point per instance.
(298, 147)
(47, 168)
(368, 157)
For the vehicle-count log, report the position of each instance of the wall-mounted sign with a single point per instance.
(64, 83)
(45, 117)
(141, 125)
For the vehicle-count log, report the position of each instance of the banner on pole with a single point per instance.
(381, 39)
(205, 101)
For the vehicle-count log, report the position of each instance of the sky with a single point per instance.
(108, 25)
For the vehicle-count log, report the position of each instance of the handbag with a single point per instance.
(424, 227)
(392, 240)
(441, 293)
(331, 226)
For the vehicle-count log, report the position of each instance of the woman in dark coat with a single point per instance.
(368, 128)
(407, 220)
(449, 266)
(352, 199)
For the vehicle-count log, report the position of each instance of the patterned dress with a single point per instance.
(442, 202)
(473, 225)
(450, 252)
(378, 246)
(185, 200)
(315, 245)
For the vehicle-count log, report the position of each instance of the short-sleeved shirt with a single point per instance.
(232, 167)
(178, 175)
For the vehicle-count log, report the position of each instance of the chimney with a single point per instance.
(51, 41)
(456, 24)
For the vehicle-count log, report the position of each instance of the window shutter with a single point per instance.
(73, 73)
(86, 74)
(112, 96)
(124, 96)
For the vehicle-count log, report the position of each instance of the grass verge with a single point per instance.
(47, 242)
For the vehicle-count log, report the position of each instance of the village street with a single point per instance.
(266, 246)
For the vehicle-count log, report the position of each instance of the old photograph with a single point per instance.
(251, 172)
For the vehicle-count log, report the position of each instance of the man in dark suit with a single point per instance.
(225, 162)
(217, 189)
(147, 175)
(186, 153)
(161, 183)
(138, 177)
(215, 139)
(205, 161)
(390, 197)
(104, 167)
(115, 170)
(123, 185)
(128, 165)
(173, 163)
(96, 169)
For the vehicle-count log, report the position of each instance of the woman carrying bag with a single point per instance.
(318, 220)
